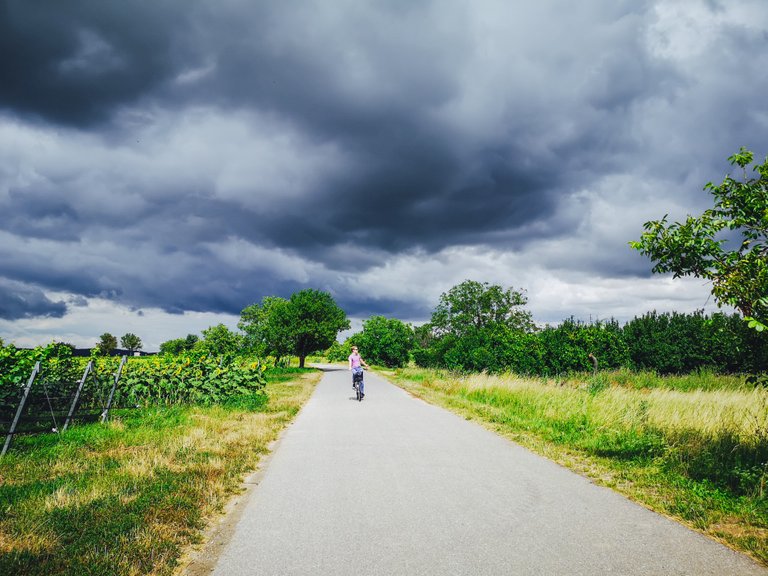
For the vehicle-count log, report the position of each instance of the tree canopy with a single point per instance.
(131, 342)
(179, 345)
(473, 305)
(727, 244)
(267, 327)
(307, 322)
(386, 341)
(474, 327)
(220, 341)
(315, 321)
(107, 343)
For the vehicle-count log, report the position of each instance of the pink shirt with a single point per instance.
(354, 360)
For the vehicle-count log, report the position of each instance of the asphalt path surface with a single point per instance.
(392, 485)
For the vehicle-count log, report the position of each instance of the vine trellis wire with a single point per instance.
(37, 413)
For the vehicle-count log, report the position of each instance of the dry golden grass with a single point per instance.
(711, 412)
(32, 542)
(708, 412)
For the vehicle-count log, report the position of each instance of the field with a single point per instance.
(694, 448)
(131, 496)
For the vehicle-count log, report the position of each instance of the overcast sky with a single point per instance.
(165, 164)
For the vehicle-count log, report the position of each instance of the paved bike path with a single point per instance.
(394, 486)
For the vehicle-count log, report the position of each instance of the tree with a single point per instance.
(175, 346)
(339, 352)
(107, 343)
(131, 342)
(179, 345)
(386, 341)
(190, 341)
(314, 320)
(220, 341)
(727, 244)
(267, 327)
(471, 305)
(307, 322)
(474, 327)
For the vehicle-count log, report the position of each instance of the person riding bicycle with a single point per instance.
(356, 364)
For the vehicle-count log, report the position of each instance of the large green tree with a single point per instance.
(220, 341)
(107, 343)
(315, 321)
(474, 327)
(307, 322)
(131, 342)
(472, 305)
(267, 327)
(386, 341)
(727, 244)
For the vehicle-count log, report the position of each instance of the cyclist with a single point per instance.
(356, 364)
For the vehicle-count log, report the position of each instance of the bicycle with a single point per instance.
(357, 384)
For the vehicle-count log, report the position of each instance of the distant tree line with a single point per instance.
(383, 341)
(107, 344)
(483, 327)
(307, 322)
(480, 327)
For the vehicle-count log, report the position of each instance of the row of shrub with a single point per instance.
(668, 343)
(167, 379)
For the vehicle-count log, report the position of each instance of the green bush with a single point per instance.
(189, 379)
(669, 343)
(16, 365)
(566, 348)
(193, 378)
(339, 352)
(385, 341)
(674, 343)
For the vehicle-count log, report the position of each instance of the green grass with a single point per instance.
(284, 374)
(693, 449)
(699, 380)
(129, 497)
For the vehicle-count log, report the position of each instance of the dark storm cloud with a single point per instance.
(19, 301)
(417, 182)
(177, 140)
(123, 274)
(366, 307)
(412, 171)
(39, 213)
(75, 62)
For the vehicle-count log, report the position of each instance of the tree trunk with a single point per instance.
(594, 364)
(301, 361)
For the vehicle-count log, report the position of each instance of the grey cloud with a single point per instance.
(450, 124)
(75, 63)
(18, 301)
(39, 213)
(366, 307)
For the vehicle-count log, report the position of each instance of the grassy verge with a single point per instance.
(697, 454)
(127, 498)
